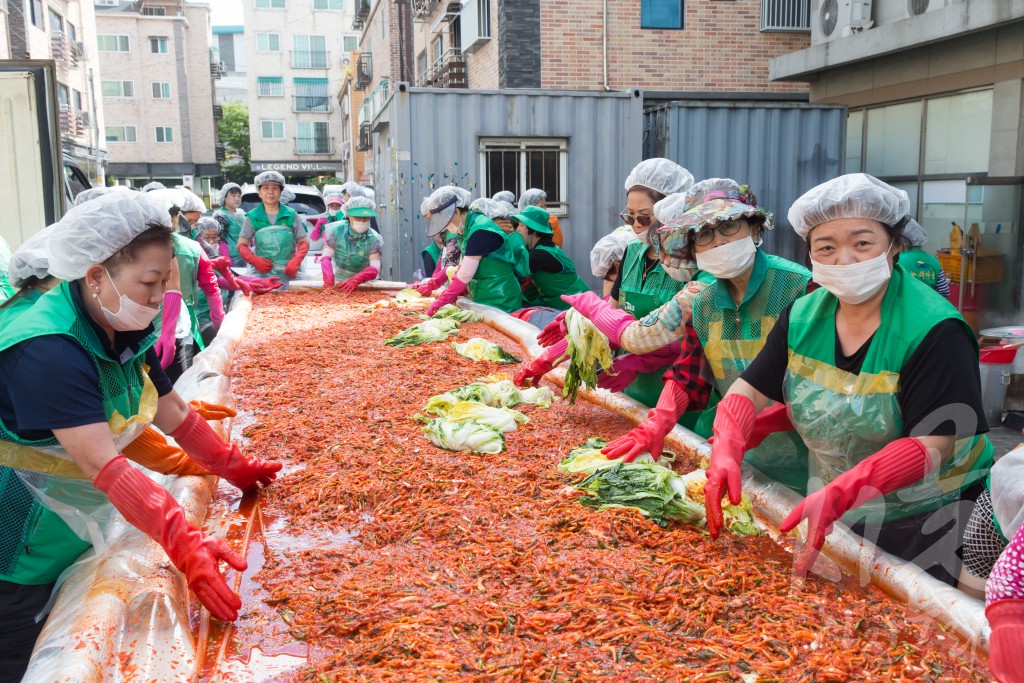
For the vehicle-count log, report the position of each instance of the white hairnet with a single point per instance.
(95, 231)
(32, 259)
(149, 187)
(505, 196)
(207, 223)
(172, 195)
(227, 188)
(357, 190)
(425, 206)
(268, 177)
(661, 175)
(609, 250)
(94, 192)
(193, 202)
(672, 206)
(855, 195)
(442, 204)
(532, 197)
(359, 203)
(915, 233)
(492, 208)
(334, 196)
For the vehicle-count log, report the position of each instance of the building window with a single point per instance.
(311, 95)
(56, 22)
(270, 4)
(36, 11)
(351, 43)
(270, 86)
(106, 3)
(519, 164)
(63, 95)
(313, 137)
(164, 134)
(483, 18)
(153, 11)
(76, 99)
(158, 45)
(268, 42)
(661, 13)
(72, 32)
(437, 50)
(272, 130)
(118, 88)
(161, 91)
(958, 133)
(119, 43)
(309, 52)
(120, 134)
(333, 5)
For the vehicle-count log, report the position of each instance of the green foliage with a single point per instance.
(233, 133)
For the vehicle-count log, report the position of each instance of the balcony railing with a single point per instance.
(364, 71)
(374, 102)
(365, 141)
(449, 71)
(65, 52)
(316, 104)
(421, 9)
(310, 59)
(362, 9)
(314, 145)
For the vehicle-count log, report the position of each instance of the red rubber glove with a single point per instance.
(899, 464)
(734, 422)
(327, 268)
(1005, 658)
(206, 277)
(291, 269)
(554, 332)
(320, 223)
(628, 366)
(225, 460)
(428, 286)
(456, 289)
(165, 348)
(365, 275)
(261, 264)
(771, 420)
(228, 280)
(262, 285)
(220, 264)
(153, 511)
(611, 321)
(531, 373)
(649, 435)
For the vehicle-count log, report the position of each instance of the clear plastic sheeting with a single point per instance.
(122, 615)
(305, 285)
(772, 501)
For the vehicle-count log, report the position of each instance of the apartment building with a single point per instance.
(296, 56)
(350, 106)
(157, 85)
(66, 33)
(229, 42)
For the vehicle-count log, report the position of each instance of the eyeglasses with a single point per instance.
(644, 219)
(707, 235)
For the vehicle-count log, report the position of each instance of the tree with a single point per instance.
(233, 132)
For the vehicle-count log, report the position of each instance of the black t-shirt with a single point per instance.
(483, 242)
(542, 261)
(618, 276)
(428, 264)
(941, 372)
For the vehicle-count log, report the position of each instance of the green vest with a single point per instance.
(36, 545)
(187, 253)
(495, 282)
(235, 220)
(844, 418)
(434, 252)
(551, 286)
(274, 241)
(732, 337)
(351, 251)
(521, 264)
(921, 266)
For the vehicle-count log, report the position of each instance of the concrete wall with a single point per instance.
(197, 118)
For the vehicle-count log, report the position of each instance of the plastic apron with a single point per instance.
(51, 511)
(639, 297)
(551, 286)
(731, 338)
(235, 220)
(275, 242)
(844, 418)
(187, 253)
(351, 251)
(521, 262)
(494, 283)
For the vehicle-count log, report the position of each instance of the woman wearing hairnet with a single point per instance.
(79, 380)
(231, 219)
(487, 269)
(606, 256)
(552, 272)
(335, 201)
(537, 197)
(274, 231)
(501, 213)
(918, 263)
(880, 379)
(720, 226)
(352, 249)
(505, 196)
(440, 254)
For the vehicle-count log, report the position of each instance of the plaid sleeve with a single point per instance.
(692, 371)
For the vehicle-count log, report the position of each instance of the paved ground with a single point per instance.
(1005, 439)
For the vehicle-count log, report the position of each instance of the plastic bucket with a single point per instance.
(995, 378)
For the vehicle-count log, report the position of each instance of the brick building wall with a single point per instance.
(482, 63)
(720, 49)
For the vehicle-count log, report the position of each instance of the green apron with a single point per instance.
(731, 338)
(351, 251)
(921, 266)
(521, 264)
(551, 286)
(187, 253)
(494, 283)
(639, 297)
(235, 220)
(844, 418)
(273, 241)
(36, 541)
(434, 252)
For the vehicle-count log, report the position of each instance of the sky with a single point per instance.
(226, 12)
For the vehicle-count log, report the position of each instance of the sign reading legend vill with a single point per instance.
(297, 166)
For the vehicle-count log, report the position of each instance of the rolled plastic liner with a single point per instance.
(123, 615)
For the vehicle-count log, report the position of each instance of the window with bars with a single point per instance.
(314, 137)
(118, 88)
(268, 42)
(311, 95)
(786, 16)
(164, 134)
(118, 43)
(158, 45)
(272, 130)
(161, 91)
(518, 164)
(268, 86)
(120, 134)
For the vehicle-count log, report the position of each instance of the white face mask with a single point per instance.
(131, 316)
(854, 283)
(677, 274)
(644, 236)
(728, 260)
(359, 227)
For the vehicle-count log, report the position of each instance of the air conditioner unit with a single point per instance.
(840, 19)
(474, 24)
(80, 50)
(916, 8)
